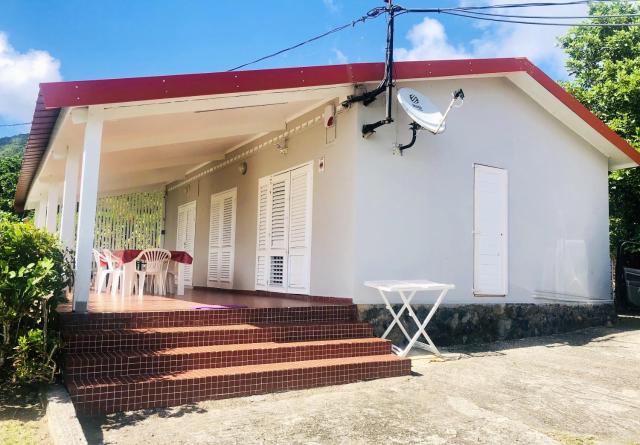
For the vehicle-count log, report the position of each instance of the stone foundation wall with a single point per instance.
(482, 323)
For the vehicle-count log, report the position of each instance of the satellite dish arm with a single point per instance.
(414, 126)
(457, 95)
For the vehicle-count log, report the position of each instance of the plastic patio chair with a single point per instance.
(107, 266)
(155, 264)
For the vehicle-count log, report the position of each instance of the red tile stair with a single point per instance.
(119, 368)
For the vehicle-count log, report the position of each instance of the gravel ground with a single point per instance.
(580, 388)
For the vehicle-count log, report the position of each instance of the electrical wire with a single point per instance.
(470, 12)
(470, 15)
(563, 17)
(15, 125)
(371, 14)
(526, 5)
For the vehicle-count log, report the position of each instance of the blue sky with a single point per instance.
(74, 39)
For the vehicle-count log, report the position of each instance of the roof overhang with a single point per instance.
(271, 89)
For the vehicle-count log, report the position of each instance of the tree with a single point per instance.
(605, 65)
(9, 172)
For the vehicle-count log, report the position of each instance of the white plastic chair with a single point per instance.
(155, 263)
(106, 267)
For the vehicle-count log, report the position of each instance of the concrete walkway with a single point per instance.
(579, 388)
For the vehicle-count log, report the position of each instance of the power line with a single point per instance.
(548, 17)
(15, 125)
(371, 14)
(470, 15)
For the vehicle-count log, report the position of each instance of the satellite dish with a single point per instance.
(421, 110)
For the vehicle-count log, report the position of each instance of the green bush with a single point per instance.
(35, 271)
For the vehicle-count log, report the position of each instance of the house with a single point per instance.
(265, 179)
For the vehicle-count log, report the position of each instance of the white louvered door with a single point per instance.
(278, 232)
(284, 231)
(222, 228)
(300, 229)
(185, 237)
(262, 239)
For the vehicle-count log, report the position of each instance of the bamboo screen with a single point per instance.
(131, 221)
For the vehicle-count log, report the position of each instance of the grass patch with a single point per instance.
(22, 420)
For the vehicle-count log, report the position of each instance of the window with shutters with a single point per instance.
(222, 234)
(284, 231)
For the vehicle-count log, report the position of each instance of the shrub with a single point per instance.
(35, 272)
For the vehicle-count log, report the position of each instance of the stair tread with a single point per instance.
(220, 348)
(212, 328)
(103, 382)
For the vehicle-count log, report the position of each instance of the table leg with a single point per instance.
(180, 280)
(396, 317)
(128, 274)
(423, 325)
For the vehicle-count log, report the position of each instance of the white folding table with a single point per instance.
(407, 290)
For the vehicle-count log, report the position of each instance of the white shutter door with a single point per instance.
(278, 217)
(227, 239)
(262, 238)
(185, 238)
(215, 229)
(490, 231)
(300, 229)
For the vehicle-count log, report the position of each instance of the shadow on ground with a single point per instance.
(626, 323)
(94, 426)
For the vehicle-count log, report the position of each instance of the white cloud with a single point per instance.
(331, 5)
(20, 74)
(340, 57)
(429, 39)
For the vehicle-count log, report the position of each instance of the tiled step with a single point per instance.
(274, 315)
(179, 337)
(139, 362)
(112, 394)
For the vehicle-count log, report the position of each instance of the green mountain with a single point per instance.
(13, 145)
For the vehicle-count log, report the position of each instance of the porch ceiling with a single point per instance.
(144, 149)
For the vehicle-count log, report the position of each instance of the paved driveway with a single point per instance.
(578, 388)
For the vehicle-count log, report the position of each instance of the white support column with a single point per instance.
(53, 194)
(41, 213)
(87, 211)
(69, 194)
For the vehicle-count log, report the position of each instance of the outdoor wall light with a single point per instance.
(242, 168)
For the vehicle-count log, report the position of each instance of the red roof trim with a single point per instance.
(56, 95)
(92, 92)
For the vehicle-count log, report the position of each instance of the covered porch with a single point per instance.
(103, 159)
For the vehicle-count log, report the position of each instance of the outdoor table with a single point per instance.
(128, 257)
(407, 290)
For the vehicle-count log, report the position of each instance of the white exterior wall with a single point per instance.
(333, 206)
(414, 214)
